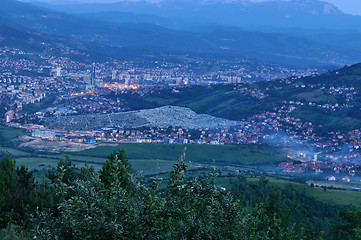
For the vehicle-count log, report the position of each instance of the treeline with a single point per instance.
(114, 203)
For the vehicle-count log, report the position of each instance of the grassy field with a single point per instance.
(14, 152)
(9, 133)
(327, 119)
(154, 158)
(37, 163)
(147, 166)
(331, 196)
(205, 154)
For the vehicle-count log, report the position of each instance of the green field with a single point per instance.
(154, 158)
(335, 197)
(331, 196)
(205, 154)
(327, 120)
(7, 134)
(14, 152)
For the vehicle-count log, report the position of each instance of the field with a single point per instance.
(154, 158)
(331, 196)
(334, 197)
(14, 152)
(206, 154)
(7, 134)
(327, 119)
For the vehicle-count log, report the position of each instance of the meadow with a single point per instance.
(335, 197)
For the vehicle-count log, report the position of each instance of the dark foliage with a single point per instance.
(116, 204)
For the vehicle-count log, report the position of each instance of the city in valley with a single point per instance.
(178, 119)
(78, 105)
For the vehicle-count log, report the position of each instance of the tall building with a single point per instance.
(58, 71)
(9, 116)
(92, 77)
(114, 74)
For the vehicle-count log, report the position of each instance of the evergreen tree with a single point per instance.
(117, 167)
(7, 185)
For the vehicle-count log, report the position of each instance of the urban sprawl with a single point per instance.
(27, 79)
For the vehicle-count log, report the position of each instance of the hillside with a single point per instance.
(331, 101)
(14, 35)
(267, 47)
(317, 21)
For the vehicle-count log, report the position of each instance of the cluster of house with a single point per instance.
(235, 135)
(253, 92)
(60, 136)
(345, 170)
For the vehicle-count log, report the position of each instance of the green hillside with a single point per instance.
(312, 98)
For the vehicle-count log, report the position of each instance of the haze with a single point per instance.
(347, 6)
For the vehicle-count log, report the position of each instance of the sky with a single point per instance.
(347, 6)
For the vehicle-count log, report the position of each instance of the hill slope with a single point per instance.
(330, 101)
(275, 48)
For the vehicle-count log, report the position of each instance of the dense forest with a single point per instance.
(115, 203)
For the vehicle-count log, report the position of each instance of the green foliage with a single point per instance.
(116, 167)
(67, 169)
(7, 185)
(350, 225)
(290, 204)
(19, 192)
(115, 204)
(16, 233)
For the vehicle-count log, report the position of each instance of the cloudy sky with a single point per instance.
(347, 6)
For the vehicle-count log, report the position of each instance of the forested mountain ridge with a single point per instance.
(274, 48)
(312, 14)
(16, 36)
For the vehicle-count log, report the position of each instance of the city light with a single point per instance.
(119, 86)
(83, 92)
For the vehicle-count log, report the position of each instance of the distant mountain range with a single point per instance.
(242, 13)
(141, 32)
(16, 36)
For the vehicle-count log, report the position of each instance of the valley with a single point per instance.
(179, 120)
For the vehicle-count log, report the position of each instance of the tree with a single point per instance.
(113, 204)
(117, 167)
(66, 166)
(7, 185)
(350, 228)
